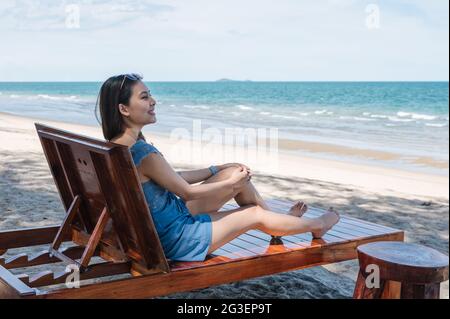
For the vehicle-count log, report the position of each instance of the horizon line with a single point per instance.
(245, 81)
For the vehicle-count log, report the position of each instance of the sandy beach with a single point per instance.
(415, 202)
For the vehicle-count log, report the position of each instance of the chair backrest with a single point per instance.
(104, 175)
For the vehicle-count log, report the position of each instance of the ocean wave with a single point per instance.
(320, 112)
(356, 118)
(244, 107)
(366, 113)
(436, 124)
(14, 96)
(265, 113)
(379, 116)
(283, 116)
(365, 119)
(203, 107)
(53, 98)
(396, 119)
(417, 116)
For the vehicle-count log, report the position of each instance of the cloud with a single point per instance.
(47, 15)
(207, 40)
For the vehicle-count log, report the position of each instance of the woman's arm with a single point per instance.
(200, 175)
(155, 167)
(195, 176)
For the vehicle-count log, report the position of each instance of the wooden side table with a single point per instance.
(392, 270)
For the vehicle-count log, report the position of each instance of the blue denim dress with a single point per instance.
(183, 237)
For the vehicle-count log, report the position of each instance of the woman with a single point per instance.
(186, 216)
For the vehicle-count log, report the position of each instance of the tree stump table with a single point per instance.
(393, 270)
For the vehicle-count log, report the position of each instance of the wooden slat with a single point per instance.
(67, 222)
(62, 257)
(268, 249)
(13, 285)
(288, 244)
(25, 237)
(212, 259)
(257, 250)
(94, 239)
(242, 253)
(327, 238)
(255, 240)
(47, 278)
(225, 253)
(41, 258)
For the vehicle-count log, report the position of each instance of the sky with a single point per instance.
(206, 40)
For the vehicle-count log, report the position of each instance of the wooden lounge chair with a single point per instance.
(108, 218)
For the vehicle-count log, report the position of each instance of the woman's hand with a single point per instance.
(240, 177)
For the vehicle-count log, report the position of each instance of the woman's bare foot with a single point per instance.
(328, 220)
(299, 209)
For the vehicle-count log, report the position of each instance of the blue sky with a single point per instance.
(196, 40)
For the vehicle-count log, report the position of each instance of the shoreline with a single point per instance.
(341, 151)
(17, 131)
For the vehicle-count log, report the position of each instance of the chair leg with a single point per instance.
(392, 290)
(423, 291)
(360, 287)
(94, 239)
(67, 223)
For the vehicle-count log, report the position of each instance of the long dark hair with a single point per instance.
(108, 102)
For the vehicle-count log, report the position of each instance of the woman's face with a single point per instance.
(141, 108)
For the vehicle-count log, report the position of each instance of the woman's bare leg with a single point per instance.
(228, 225)
(247, 195)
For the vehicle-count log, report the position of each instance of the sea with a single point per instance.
(409, 119)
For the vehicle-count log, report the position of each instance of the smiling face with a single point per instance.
(141, 108)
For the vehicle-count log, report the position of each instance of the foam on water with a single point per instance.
(244, 107)
(417, 116)
(203, 107)
(408, 117)
(436, 124)
(396, 119)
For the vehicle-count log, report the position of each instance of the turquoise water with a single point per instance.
(402, 117)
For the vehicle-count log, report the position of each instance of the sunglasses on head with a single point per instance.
(132, 77)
